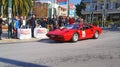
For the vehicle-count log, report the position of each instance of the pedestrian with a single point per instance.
(33, 24)
(16, 25)
(1, 27)
(50, 24)
(44, 22)
(71, 21)
(22, 22)
(81, 20)
(60, 21)
(67, 20)
(39, 21)
(55, 22)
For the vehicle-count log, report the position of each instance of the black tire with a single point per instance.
(96, 35)
(75, 37)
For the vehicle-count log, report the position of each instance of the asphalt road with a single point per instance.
(102, 52)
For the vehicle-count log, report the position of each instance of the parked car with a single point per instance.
(75, 32)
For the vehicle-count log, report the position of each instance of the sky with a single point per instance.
(75, 1)
(71, 1)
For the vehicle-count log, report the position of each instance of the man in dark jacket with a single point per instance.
(55, 22)
(33, 24)
(0, 26)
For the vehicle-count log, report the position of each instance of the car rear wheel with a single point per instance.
(96, 35)
(75, 37)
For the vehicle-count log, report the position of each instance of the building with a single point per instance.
(72, 10)
(45, 8)
(95, 10)
(62, 11)
(40, 9)
(65, 10)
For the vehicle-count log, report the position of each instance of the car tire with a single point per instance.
(75, 37)
(96, 35)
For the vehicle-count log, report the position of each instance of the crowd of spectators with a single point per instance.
(33, 22)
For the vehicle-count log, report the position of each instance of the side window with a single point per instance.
(87, 26)
(82, 28)
(76, 27)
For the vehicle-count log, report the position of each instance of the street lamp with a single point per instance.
(91, 13)
(68, 7)
(53, 8)
(104, 14)
(9, 17)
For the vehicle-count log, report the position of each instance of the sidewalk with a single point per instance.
(5, 40)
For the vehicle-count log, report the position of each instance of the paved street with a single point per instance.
(102, 52)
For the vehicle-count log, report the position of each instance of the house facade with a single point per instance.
(95, 10)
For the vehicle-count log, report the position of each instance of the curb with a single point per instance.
(10, 41)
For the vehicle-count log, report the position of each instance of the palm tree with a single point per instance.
(19, 7)
(3, 6)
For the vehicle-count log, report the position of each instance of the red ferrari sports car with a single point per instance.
(75, 32)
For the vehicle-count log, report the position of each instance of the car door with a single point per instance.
(89, 31)
(85, 31)
(82, 32)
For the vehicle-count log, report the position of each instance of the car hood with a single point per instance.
(59, 31)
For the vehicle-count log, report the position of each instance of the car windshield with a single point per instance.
(72, 26)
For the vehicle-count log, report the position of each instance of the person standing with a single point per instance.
(60, 21)
(1, 27)
(22, 22)
(66, 20)
(16, 25)
(55, 22)
(33, 24)
(81, 20)
(71, 21)
(44, 22)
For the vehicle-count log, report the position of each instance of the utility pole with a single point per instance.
(91, 13)
(104, 13)
(9, 17)
(68, 8)
(53, 7)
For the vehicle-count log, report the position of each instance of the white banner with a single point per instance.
(40, 33)
(24, 33)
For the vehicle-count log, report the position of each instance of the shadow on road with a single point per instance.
(19, 63)
(58, 42)
(49, 41)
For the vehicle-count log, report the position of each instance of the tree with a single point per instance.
(3, 5)
(79, 8)
(19, 7)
